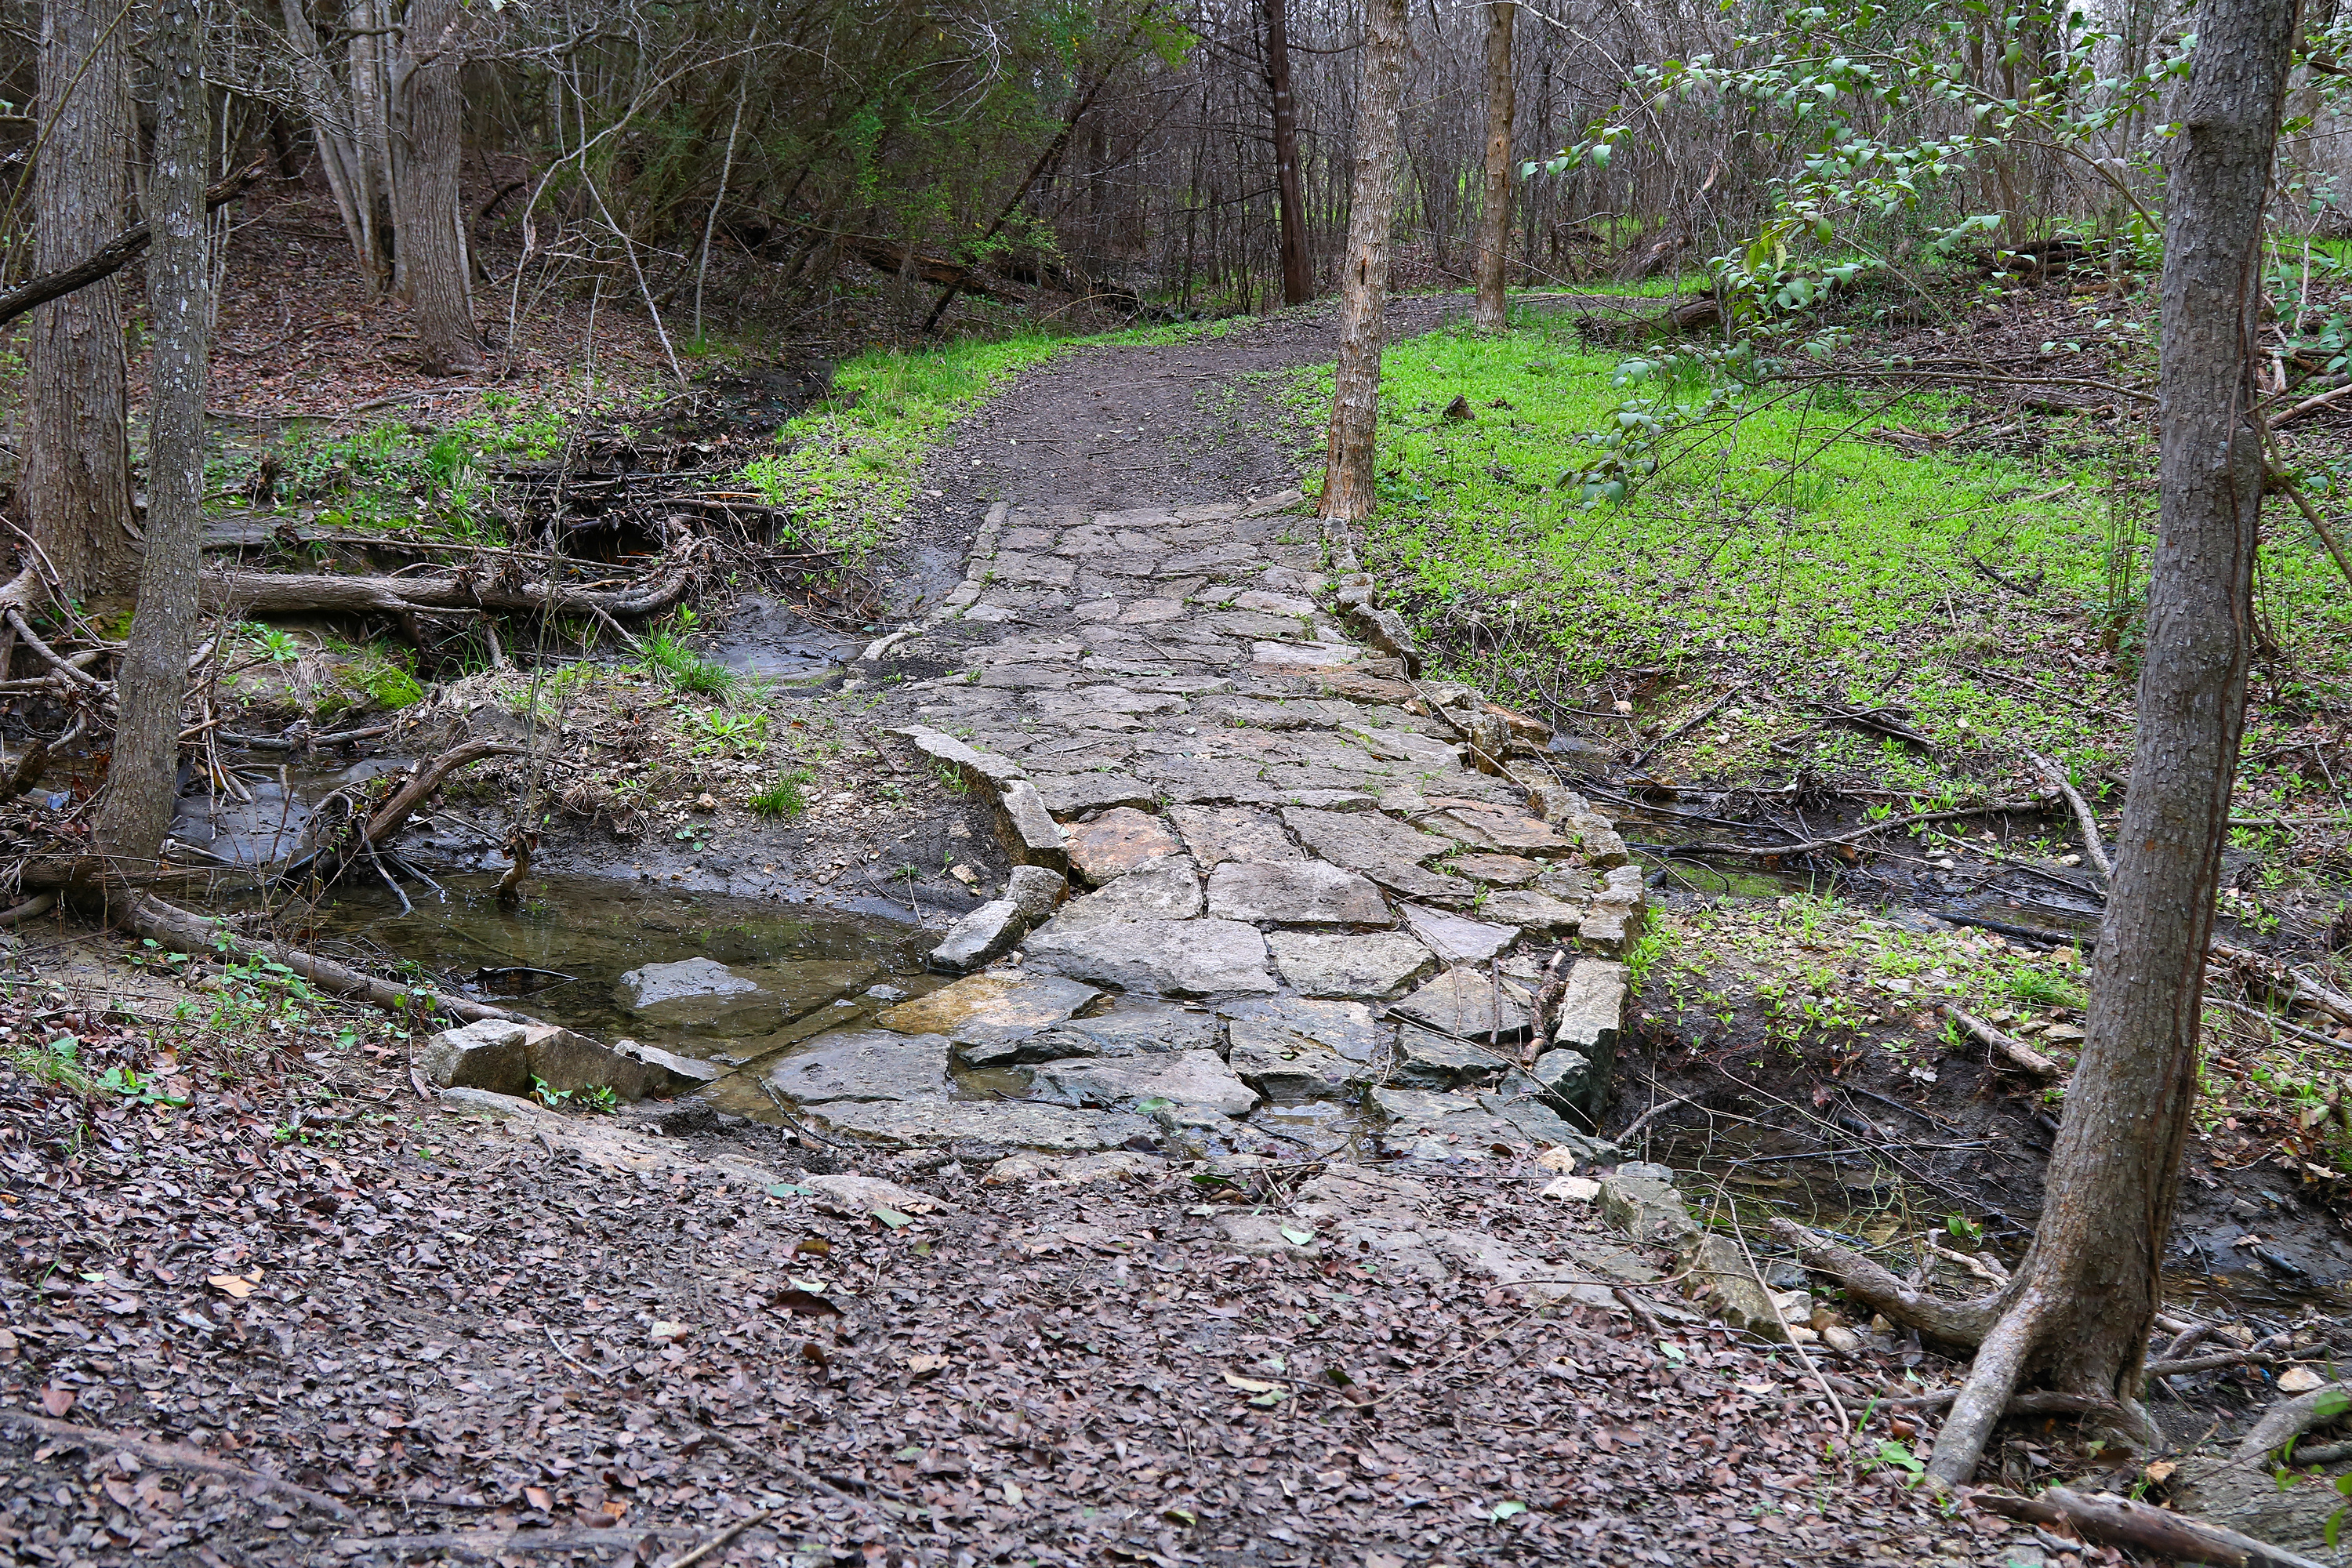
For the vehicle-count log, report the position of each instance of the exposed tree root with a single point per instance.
(68, 1434)
(2141, 1527)
(1954, 1322)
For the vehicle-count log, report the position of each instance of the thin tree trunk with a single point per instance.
(334, 133)
(1352, 448)
(75, 493)
(428, 109)
(1297, 272)
(137, 811)
(2087, 1292)
(1495, 216)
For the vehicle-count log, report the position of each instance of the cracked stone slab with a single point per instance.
(1167, 889)
(1348, 965)
(1073, 795)
(1198, 1078)
(1470, 1005)
(1120, 840)
(1537, 913)
(1016, 1124)
(1171, 957)
(985, 1009)
(1504, 833)
(1124, 1031)
(1380, 847)
(865, 1064)
(1218, 834)
(1455, 939)
(1295, 892)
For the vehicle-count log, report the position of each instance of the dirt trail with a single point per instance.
(472, 1318)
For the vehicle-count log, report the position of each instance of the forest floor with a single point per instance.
(243, 1232)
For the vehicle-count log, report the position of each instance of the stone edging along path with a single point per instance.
(1308, 873)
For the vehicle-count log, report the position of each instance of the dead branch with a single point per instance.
(2118, 1521)
(288, 593)
(2015, 1052)
(394, 813)
(187, 931)
(171, 1454)
(1955, 1322)
(2209, 1361)
(108, 258)
(1848, 840)
(39, 904)
(2094, 848)
(49, 655)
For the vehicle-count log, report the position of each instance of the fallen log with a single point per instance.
(2113, 1520)
(394, 813)
(184, 930)
(290, 594)
(1955, 1322)
(2014, 1051)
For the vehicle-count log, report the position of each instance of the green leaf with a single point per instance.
(892, 1219)
(1296, 1237)
(1503, 1511)
(786, 1190)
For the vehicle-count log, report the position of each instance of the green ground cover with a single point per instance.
(1816, 549)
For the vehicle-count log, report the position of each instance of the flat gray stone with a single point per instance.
(1471, 1004)
(1073, 795)
(1346, 1028)
(1428, 1060)
(1167, 889)
(1124, 1031)
(1296, 892)
(1198, 1078)
(665, 1072)
(981, 937)
(1373, 965)
(1038, 890)
(1455, 939)
(979, 769)
(1286, 1063)
(1386, 850)
(1016, 567)
(1218, 834)
(487, 1055)
(1020, 1124)
(702, 995)
(865, 1064)
(1504, 833)
(1000, 1006)
(1592, 1008)
(1539, 914)
(1119, 841)
(1174, 957)
(1568, 1075)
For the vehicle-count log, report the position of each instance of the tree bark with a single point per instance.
(1352, 445)
(75, 491)
(2087, 1292)
(1297, 272)
(108, 260)
(153, 683)
(427, 112)
(351, 178)
(1494, 217)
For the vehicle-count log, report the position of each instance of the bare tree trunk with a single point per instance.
(1297, 272)
(75, 493)
(1494, 217)
(342, 155)
(2085, 1294)
(137, 811)
(428, 109)
(1348, 492)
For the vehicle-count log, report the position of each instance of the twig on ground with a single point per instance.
(2015, 1052)
(717, 1542)
(174, 1455)
(2094, 848)
(2120, 1521)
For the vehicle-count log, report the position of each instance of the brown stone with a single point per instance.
(1117, 842)
(1500, 870)
(1503, 832)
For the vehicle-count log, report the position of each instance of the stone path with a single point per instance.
(1261, 867)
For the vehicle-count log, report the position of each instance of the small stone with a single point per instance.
(2299, 1380)
(1180, 1078)
(1117, 842)
(1295, 892)
(866, 1064)
(1372, 966)
(983, 936)
(700, 994)
(706, 802)
(858, 1196)
(1031, 836)
(1077, 1171)
(1470, 1005)
(487, 1055)
(1845, 1341)
(1457, 939)
(1037, 890)
(1569, 1076)
(987, 1010)
(1571, 1190)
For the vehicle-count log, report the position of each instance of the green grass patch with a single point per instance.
(786, 796)
(847, 468)
(1815, 547)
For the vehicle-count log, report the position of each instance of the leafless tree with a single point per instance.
(1495, 214)
(1352, 448)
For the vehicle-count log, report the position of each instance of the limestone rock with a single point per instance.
(1471, 1004)
(1591, 1016)
(488, 1056)
(1119, 841)
(864, 1064)
(1615, 923)
(1125, 1031)
(1030, 834)
(979, 769)
(1427, 1061)
(1455, 939)
(1539, 914)
(1174, 957)
(858, 1196)
(1346, 1027)
(1167, 889)
(1569, 1076)
(1073, 1171)
(1037, 890)
(1603, 847)
(1503, 833)
(1500, 870)
(1262, 1236)
(1720, 1276)
(1072, 795)
(1380, 847)
(1181, 1077)
(1295, 892)
(700, 994)
(1001, 1006)
(1019, 1124)
(983, 936)
(1218, 834)
(1285, 1060)
(1640, 1199)
(1373, 966)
